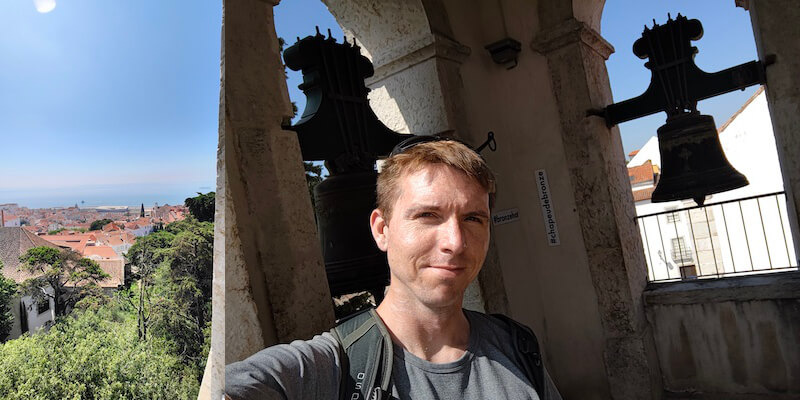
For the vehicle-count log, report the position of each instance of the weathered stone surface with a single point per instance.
(575, 55)
(758, 287)
(730, 337)
(275, 286)
(776, 30)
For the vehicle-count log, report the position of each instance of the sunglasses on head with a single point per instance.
(415, 140)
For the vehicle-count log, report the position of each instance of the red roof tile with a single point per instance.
(644, 194)
(642, 173)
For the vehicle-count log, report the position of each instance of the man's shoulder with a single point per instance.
(286, 371)
(498, 324)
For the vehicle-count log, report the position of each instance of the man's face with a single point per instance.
(437, 237)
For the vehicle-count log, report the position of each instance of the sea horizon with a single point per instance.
(92, 196)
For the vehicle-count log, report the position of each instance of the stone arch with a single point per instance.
(410, 44)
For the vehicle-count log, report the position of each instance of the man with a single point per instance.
(432, 219)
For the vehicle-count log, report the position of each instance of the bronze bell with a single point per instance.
(352, 260)
(693, 164)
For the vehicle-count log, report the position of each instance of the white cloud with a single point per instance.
(44, 6)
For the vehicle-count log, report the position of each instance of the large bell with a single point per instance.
(693, 164)
(352, 260)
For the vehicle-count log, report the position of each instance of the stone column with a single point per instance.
(776, 28)
(576, 57)
(265, 239)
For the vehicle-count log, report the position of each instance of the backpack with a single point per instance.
(366, 351)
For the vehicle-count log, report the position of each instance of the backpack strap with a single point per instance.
(366, 352)
(528, 349)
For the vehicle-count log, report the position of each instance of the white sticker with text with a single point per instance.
(505, 216)
(548, 212)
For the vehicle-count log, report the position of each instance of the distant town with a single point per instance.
(103, 233)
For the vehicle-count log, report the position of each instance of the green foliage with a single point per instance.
(93, 355)
(149, 341)
(172, 296)
(8, 291)
(201, 206)
(313, 177)
(55, 232)
(346, 305)
(99, 224)
(144, 257)
(69, 275)
(184, 309)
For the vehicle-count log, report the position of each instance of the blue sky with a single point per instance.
(108, 101)
(116, 102)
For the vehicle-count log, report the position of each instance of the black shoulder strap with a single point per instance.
(367, 356)
(528, 347)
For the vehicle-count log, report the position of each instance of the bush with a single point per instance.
(93, 355)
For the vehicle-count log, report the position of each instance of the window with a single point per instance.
(673, 217)
(680, 252)
(43, 306)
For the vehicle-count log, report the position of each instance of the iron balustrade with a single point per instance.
(743, 236)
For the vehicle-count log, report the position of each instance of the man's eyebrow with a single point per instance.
(420, 207)
(478, 213)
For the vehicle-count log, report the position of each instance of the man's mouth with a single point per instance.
(453, 268)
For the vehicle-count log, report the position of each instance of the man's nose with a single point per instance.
(451, 236)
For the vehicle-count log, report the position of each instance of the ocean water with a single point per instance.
(105, 195)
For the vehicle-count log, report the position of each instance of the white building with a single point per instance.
(28, 315)
(737, 237)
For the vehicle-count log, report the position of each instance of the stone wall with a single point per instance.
(728, 338)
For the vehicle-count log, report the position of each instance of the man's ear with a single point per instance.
(379, 228)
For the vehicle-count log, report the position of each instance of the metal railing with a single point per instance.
(735, 237)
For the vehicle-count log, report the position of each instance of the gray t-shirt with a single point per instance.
(311, 370)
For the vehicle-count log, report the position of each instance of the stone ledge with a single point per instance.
(438, 46)
(779, 285)
(569, 32)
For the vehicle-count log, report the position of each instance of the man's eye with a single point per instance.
(426, 215)
(474, 219)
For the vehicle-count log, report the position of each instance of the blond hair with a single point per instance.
(446, 152)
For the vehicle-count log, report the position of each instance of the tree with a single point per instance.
(183, 311)
(144, 257)
(93, 355)
(8, 290)
(313, 178)
(141, 213)
(99, 224)
(70, 276)
(201, 206)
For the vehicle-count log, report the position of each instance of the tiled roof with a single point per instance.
(74, 242)
(642, 173)
(633, 153)
(14, 242)
(644, 194)
(101, 251)
(115, 268)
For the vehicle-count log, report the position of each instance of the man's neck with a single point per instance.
(437, 335)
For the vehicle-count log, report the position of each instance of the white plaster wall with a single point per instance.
(36, 321)
(12, 222)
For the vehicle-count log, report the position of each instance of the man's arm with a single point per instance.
(299, 370)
